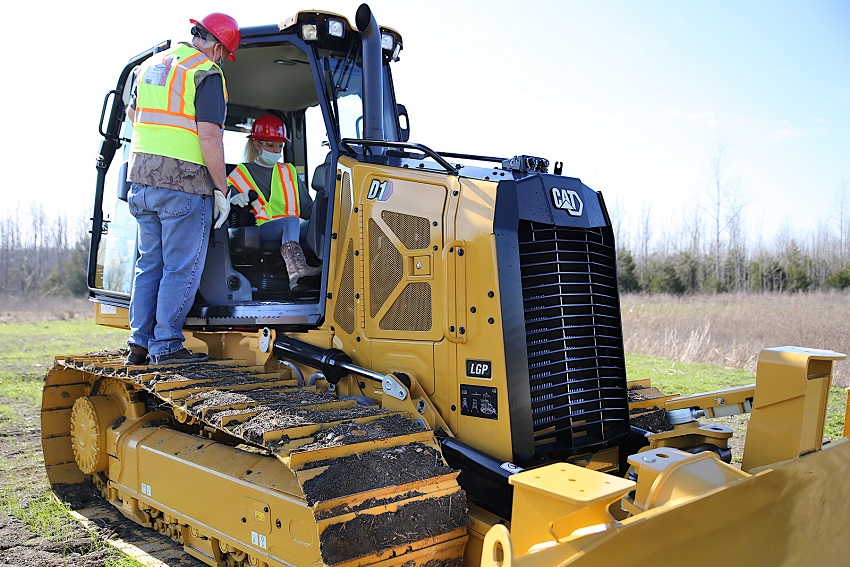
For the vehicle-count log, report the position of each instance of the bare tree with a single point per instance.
(619, 220)
(737, 241)
(644, 241)
(718, 197)
(843, 203)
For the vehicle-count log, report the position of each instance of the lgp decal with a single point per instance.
(567, 200)
(479, 368)
(381, 191)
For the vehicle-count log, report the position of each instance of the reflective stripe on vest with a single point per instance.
(284, 199)
(165, 110)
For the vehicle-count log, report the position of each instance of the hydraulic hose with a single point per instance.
(313, 377)
(295, 370)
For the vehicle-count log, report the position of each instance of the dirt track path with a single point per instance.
(60, 541)
(20, 547)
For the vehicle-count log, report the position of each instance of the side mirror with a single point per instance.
(403, 123)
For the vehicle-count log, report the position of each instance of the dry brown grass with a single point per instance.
(730, 330)
(30, 310)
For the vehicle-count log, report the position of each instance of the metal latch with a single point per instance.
(265, 340)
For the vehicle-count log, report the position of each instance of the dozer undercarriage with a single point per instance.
(247, 464)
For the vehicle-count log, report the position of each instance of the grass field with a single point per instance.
(684, 345)
(730, 330)
(37, 529)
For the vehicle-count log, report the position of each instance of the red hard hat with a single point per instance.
(224, 29)
(268, 128)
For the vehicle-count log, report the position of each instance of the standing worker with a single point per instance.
(281, 201)
(178, 183)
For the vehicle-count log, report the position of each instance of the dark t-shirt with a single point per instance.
(209, 101)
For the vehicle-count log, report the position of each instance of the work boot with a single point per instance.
(182, 356)
(296, 265)
(138, 356)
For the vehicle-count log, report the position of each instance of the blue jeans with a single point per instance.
(283, 228)
(173, 234)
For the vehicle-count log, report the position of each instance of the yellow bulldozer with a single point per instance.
(450, 390)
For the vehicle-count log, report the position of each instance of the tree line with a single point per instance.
(712, 252)
(788, 267)
(45, 254)
(42, 254)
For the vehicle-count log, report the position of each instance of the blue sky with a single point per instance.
(634, 97)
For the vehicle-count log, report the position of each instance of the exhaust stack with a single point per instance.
(373, 98)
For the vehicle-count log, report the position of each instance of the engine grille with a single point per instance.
(576, 365)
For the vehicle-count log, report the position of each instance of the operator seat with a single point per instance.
(322, 178)
(256, 258)
(260, 259)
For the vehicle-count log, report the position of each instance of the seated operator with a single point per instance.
(281, 201)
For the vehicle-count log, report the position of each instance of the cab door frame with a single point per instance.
(109, 128)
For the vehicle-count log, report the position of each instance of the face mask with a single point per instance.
(269, 158)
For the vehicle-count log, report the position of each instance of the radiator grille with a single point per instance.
(386, 267)
(573, 335)
(411, 311)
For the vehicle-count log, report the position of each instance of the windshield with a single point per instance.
(343, 76)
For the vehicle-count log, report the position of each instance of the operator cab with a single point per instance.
(309, 72)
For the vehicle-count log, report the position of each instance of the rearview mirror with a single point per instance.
(403, 123)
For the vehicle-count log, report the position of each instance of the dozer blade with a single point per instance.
(245, 467)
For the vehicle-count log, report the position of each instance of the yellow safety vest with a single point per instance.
(283, 201)
(164, 122)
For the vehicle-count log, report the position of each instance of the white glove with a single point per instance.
(239, 200)
(221, 208)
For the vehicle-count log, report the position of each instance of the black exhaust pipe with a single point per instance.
(373, 81)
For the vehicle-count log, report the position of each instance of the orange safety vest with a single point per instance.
(164, 122)
(284, 199)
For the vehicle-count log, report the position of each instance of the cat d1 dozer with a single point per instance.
(452, 390)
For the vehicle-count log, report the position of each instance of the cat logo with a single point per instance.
(380, 191)
(567, 200)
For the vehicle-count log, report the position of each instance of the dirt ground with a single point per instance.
(19, 545)
(22, 548)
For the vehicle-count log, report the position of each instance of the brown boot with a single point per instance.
(296, 264)
(136, 355)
